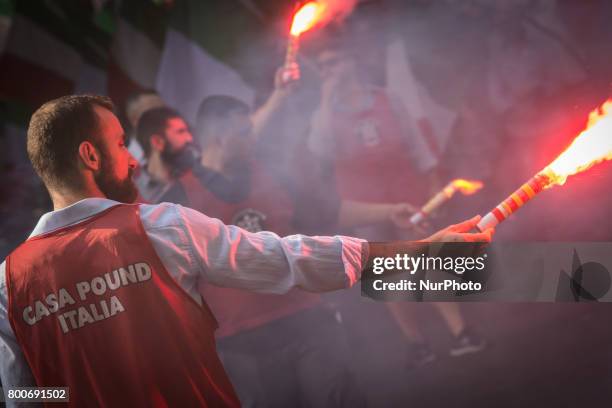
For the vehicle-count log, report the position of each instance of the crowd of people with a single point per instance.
(365, 160)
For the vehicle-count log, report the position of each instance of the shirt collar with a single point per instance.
(72, 214)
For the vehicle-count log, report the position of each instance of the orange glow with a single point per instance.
(593, 145)
(306, 17)
(467, 187)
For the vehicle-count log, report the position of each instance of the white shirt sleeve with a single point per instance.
(264, 262)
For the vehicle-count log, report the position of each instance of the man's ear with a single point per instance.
(157, 142)
(89, 156)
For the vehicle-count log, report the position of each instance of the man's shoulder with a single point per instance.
(160, 215)
(168, 215)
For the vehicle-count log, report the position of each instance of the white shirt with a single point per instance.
(195, 249)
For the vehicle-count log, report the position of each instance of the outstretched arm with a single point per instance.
(264, 262)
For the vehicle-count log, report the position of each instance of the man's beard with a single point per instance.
(180, 160)
(124, 191)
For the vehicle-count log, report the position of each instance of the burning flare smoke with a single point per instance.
(593, 145)
(307, 17)
(320, 12)
(313, 13)
(466, 187)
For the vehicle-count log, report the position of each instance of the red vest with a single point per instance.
(372, 161)
(269, 208)
(94, 309)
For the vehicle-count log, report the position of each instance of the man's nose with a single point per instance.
(132, 162)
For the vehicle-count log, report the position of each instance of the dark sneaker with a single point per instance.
(419, 355)
(467, 342)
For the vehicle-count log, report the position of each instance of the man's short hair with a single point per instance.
(128, 105)
(55, 133)
(217, 107)
(220, 106)
(135, 96)
(153, 122)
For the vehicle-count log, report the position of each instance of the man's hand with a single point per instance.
(461, 233)
(400, 214)
(286, 79)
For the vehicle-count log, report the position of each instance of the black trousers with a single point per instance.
(297, 361)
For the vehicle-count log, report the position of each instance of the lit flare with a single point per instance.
(592, 146)
(466, 187)
(306, 17)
